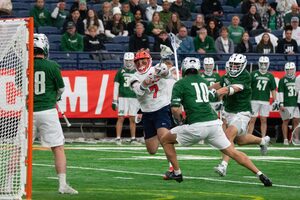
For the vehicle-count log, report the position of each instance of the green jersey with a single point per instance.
(123, 77)
(47, 81)
(192, 93)
(287, 87)
(240, 101)
(262, 85)
(211, 79)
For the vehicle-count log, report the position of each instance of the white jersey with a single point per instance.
(156, 96)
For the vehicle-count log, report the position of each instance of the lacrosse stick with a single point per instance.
(165, 53)
(296, 136)
(251, 65)
(175, 42)
(63, 114)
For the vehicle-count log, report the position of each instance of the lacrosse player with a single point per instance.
(48, 87)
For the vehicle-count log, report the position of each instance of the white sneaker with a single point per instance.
(134, 142)
(66, 189)
(286, 142)
(201, 142)
(221, 170)
(264, 148)
(118, 141)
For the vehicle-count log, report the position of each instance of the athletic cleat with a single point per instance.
(170, 175)
(118, 141)
(66, 189)
(221, 170)
(264, 148)
(134, 142)
(265, 180)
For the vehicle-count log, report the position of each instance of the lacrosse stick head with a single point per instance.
(165, 51)
(175, 42)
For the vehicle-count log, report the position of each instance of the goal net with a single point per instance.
(14, 63)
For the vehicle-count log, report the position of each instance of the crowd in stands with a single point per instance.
(202, 26)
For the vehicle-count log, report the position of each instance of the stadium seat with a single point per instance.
(188, 24)
(48, 30)
(151, 39)
(226, 23)
(54, 38)
(230, 15)
(228, 9)
(68, 64)
(84, 56)
(55, 46)
(120, 39)
(277, 33)
(193, 16)
(89, 64)
(114, 47)
(252, 40)
(21, 13)
(111, 64)
(20, 6)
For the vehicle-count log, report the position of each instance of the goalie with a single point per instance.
(48, 87)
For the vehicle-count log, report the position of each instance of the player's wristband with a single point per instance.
(280, 104)
(230, 90)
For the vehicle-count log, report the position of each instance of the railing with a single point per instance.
(114, 60)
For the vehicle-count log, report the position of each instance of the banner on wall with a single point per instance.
(88, 94)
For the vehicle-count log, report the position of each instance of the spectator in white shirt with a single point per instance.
(153, 7)
(92, 19)
(284, 6)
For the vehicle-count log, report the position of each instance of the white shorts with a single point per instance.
(294, 111)
(263, 109)
(128, 106)
(188, 135)
(239, 120)
(46, 125)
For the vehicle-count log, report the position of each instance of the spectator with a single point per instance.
(162, 38)
(153, 7)
(71, 40)
(92, 19)
(127, 15)
(165, 14)
(190, 5)
(75, 17)
(261, 7)
(116, 27)
(105, 14)
(285, 6)
(212, 29)
(187, 43)
(5, 7)
(115, 3)
(265, 45)
(252, 22)
(245, 45)
(204, 43)
(272, 37)
(40, 14)
(81, 6)
(197, 25)
(296, 30)
(134, 5)
(272, 20)
(155, 26)
(223, 43)
(137, 19)
(59, 14)
(183, 12)
(293, 13)
(287, 45)
(246, 4)
(235, 30)
(173, 24)
(93, 41)
(212, 8)
(139, 40)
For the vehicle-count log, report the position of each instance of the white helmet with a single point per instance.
(190, 63)
(208, 65)
(263, 64)
(128, 60)
(237, 64)
(41, 44)
(290, 69)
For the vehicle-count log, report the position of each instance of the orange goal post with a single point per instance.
(16, 107)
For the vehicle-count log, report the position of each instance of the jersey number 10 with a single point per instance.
(201, 92)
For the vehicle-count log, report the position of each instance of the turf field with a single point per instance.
(104, 172)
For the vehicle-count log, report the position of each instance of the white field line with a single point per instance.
(186, 177)
(177, 148)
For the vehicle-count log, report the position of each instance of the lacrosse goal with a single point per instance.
(16, 106)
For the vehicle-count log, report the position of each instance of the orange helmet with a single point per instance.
(142, 61)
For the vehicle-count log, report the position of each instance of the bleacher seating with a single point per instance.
(114, 47)
(48, 30)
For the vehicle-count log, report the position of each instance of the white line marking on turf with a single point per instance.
(251, 177)
(187, 177)
(56, 178)
(125, 178)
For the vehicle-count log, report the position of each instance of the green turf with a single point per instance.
(111, 173)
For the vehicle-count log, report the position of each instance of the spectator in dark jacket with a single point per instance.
(162, 38)
(246, 6)
(212, 7)
(245, 45)
(265, 45)
(75, 17)
(92, 41)
(183, 12)
(212, 29)
(252, 22)
(137, 19)
(287, 45)
(139, 40)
